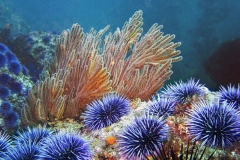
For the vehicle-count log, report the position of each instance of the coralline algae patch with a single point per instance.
(14, 85)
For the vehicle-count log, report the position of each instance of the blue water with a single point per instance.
(201, 25)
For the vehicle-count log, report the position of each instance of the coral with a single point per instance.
(184, 92)
(65, 145)
(231, 94)
(103, 113)
(5, 144)
(5, 108)
(161, 107)
(142, 137)
(14, 67)
(4, 92)
(139, 68)
(10, 120)
(4, 78)
(214, 125)
(50, 106)
(83, 72)
(3, 60)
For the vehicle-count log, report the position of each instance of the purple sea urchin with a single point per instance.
(14, 67)
(28, 143)
(103, 113)
(162, 107)
(3, 60)
(214, 124)
(5, 108)
(4, 78)
(25, 71)
(65, 146)
(34, 135)
(26, 150)
(4, 92)
(10, 119)
(142, 137)
(3, 48)
(184, 92)
(5, 144)
(231, 95)
(11, 57)
(15, 86)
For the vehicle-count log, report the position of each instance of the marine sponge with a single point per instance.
(4, 78)
(142, 137)
(10, 119)
(14, 67)
(230, 95)
(4, 92)
(162, 107)
(214, 125)
(3, 60)
(5, 144)
(65, 145)
(103, 113)
(5, 107)
(184, 92)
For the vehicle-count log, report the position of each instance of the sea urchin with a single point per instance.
(5, 144)
(103, 113)
(214, 124)
(230, 95)
(184, 92)
(65, 146)
(142, 137)
(162, 107)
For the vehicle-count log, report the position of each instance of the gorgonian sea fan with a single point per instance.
(142, 137)
(214, 125)
(184, 92)
(231, 94)
(103, 113)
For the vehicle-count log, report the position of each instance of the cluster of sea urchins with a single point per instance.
(41, 143)
(211, 124)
